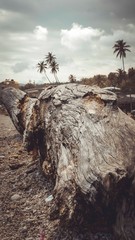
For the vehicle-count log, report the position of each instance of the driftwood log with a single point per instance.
(86, 146)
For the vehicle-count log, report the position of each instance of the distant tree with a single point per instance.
(51, 62)
(100, 80)
(121, 47)
(112, 77)
(87, 81)
(50, 58)
(131, 73)
(54, 69)
(28, 85)
(129, 85)
(42, 66)
(72, 78)
(121, 75)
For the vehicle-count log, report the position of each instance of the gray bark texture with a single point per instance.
(87, 147)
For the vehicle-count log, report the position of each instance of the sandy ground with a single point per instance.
(24, 212)
(23, 189)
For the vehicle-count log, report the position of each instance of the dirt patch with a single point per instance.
(23, 188)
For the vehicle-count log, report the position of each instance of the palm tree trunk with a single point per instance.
(93, 188)
(123, 68)
(47, 78)
(56, 78)
(123, 63)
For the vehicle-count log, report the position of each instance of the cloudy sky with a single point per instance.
(80, 33)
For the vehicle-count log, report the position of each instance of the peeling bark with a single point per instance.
(86, 146)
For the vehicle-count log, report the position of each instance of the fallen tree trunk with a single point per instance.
(86, 146)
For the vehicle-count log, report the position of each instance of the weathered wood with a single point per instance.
(86, 145)
(18, 105)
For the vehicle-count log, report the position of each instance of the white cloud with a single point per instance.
(20, 53)
(92, 53)
(81, 51)
(40, 32)
(126, 33)
(79, 35)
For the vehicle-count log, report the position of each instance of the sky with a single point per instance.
(80, 33)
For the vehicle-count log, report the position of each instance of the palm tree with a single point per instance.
(50, 58)
(121, 47)
(54, 68)
(51, 61)
(42, 66)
